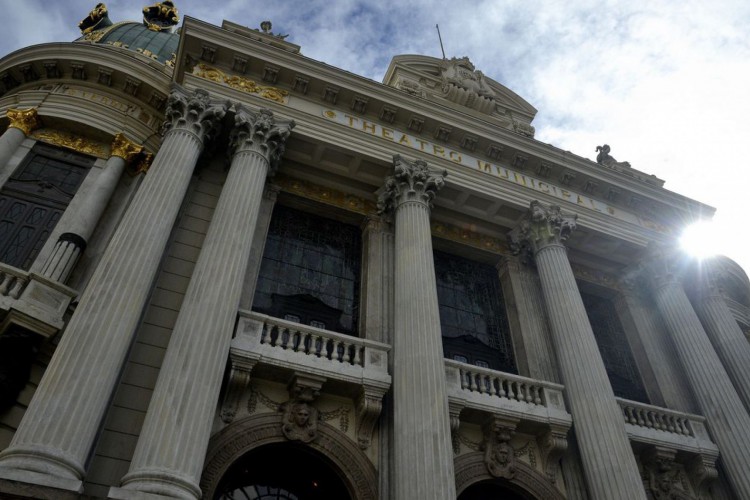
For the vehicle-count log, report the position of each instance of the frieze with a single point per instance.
(325, 195)
(207, 72)
(470, 238)
(72, 142)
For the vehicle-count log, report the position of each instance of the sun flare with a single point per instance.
(701, 239)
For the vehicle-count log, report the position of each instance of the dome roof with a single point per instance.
(159, 45)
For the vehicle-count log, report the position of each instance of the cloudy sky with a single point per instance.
(665, 84)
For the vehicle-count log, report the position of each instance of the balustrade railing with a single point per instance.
(661, 419)
(12, 281)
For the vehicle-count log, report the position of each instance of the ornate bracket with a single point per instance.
(239, 380)
(499, 456)
(369, 405)
(702, 472)
(454, 409)
(553, 444)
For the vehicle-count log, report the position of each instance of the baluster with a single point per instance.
(501, 392)
(5, 284)
(266, 335)
(340, 351)
(463, 378)
(527, 392)
(296, 340)
(639, 416)
(688, 427)
(473, 382)
(306, 341)
(284, 338)
(628, 411)
(358, 355)
(537, 395)
(318, 345)
(17, 288)
(671, 424)
(492, 381)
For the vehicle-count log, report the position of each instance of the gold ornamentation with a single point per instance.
(25, 120)
(172, 60)
(125, 148)
(90, 22)
(469, 237)
(239, 83)
(69, 141)
(325, 195)
(94, 36)
(161, 16)
(144, 163)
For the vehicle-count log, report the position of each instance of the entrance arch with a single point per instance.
(527, 483)
(339, 454)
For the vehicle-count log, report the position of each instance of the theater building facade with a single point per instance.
(231, 271)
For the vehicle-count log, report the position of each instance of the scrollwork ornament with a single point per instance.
(25, 120)
(411, 181)
(541, 226)
(260, 132)
(124, 148)
(194, 112)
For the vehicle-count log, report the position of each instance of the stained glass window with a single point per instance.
(34, 198)
(613, 346)
(310, 270)
(472, 314)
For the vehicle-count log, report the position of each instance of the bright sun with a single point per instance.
(701, 239)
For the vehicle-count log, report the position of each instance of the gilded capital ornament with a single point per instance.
(411, 181)
(194, 112)
(25, 120)
(124, 148)
(260, 132)
(541, 226)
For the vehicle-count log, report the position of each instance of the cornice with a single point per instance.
(195, 31)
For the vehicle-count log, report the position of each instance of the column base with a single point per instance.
(124, 494)
(16, 483)
(156, 484)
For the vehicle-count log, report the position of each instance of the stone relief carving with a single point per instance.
(499, 456)
(604, 158)
(662, 476)
(463, 84)
(410, 87)
(300, 421)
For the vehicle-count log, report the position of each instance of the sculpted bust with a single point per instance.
(300, 422)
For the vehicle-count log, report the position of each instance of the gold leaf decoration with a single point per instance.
(25, 120)
(72, 142)
(125, 148)
(240, 83)
(325, 195)
(469, 237)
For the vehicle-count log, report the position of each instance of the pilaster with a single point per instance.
(717, 398)
(168, 459)
(608, 462)
(422, 449)
(57, 432)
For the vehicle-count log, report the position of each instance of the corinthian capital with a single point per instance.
(411, 181)
(194, 112)
(25, 120)
(541, 226)
(260, 132)
(125, 148)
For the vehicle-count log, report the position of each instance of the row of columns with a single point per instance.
(60, 426)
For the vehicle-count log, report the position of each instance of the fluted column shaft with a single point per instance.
(59, 428)
(608, 462)
(22, 122)
(725, 335)
(422, 448)
(719, 402)
(77, 231)
(171, 449)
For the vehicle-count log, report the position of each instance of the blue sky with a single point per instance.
(665, 84)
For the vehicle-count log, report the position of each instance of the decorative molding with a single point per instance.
(237, 385)
(410, 182)
(25, 120)
(72, 142)
(245, 435)
(702, 472)
(124, 148)
(261, 133)
(325, 195)
(454, 410)
(206, 72)
(342, 413)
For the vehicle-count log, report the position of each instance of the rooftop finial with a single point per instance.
(97, 19)
(161, 16)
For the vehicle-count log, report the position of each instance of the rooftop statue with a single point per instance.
(603, 158)
(161, 16)
(266, 26)
(97, 19)
(461, 73)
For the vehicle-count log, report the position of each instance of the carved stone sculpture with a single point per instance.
(97, 19)
(498, 453)
(604, 158)
(464, 85)
(300, 421)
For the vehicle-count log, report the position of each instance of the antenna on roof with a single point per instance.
(441, 40)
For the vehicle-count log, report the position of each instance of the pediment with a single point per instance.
(457, 81)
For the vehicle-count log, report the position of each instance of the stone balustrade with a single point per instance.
(285, 344)
(661, 426)
(12, 283)
(505, 394)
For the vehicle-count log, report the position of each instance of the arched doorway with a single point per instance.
(493, 489)
(281, 471)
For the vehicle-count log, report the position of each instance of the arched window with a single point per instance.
(34, 198)
(472, 313)
(310, 271)
(281, 472)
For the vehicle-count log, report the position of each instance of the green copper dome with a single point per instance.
(159, 45)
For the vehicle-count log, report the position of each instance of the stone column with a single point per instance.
(169, 457)
(422, 449)
(722, 329)
(72, 242)
(719, 402)
(58, 430)
(608, 462)
(22, 123)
